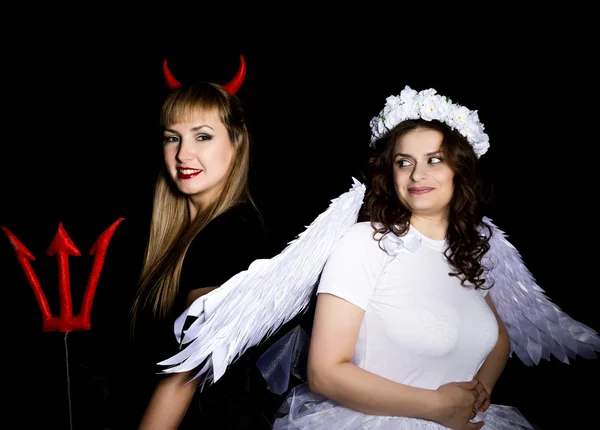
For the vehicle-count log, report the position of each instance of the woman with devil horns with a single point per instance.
(204, 229)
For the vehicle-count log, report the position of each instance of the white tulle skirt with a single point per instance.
(305, 410)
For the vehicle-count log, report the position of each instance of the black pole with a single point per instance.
(68, 383)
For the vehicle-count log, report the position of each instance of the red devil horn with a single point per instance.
(169, 78)
(236, 82)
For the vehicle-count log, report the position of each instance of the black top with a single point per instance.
(238, 400)
(225, 247)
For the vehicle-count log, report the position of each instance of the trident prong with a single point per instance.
(62, 246)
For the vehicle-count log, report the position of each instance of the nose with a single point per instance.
(419, 172)
(185, 151)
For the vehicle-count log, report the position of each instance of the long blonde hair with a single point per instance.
(171, 229)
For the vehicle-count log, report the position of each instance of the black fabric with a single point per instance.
(236, 239)
(239, 400)
(225, 247)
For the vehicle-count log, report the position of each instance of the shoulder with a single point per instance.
(242, 221)
(353, 267)
(225, 246)
(239, 215)
(359, 243)
(240, 226)
(361, 235)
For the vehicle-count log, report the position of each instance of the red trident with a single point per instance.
(62, 246)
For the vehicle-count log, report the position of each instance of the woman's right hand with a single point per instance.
(458, 405)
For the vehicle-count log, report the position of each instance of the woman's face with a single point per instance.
(197, 156)
(422, 179)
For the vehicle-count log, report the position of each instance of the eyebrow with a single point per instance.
(410, 156)
(193, 128)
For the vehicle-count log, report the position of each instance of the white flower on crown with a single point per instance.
(429, 105)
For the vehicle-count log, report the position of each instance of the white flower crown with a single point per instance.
(428, 105)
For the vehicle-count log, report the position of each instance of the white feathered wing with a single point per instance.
(537, 327)
(254, 303)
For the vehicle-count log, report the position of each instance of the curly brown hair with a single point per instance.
(467, 238)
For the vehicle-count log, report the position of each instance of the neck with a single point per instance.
(199, 202)
(435, 228)
(195, 206)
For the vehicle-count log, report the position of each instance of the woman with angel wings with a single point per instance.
(421, 299)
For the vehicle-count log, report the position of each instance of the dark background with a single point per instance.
(80, 147)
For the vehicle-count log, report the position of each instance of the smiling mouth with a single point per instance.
(188, 173)
(420, 190)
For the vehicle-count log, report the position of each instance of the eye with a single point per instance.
(403, 163)
(435, 160)
(203, 137)
(170, 139)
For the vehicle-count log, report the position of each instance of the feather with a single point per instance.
(538, 329)
(254, 303)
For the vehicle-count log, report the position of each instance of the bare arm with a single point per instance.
(494, 364)
(169, 403)
(198, 292)
(331, 374)
(174, 393)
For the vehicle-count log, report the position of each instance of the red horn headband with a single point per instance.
(231, 87)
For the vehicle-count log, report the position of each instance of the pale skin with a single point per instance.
(417, 163)
(173, 394)
(197, 156)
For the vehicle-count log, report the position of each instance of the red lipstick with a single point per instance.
(182, 175)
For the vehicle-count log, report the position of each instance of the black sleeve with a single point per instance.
(224, 248)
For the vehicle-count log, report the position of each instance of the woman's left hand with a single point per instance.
(483, 400)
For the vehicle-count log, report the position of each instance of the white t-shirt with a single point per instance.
(421, 326)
